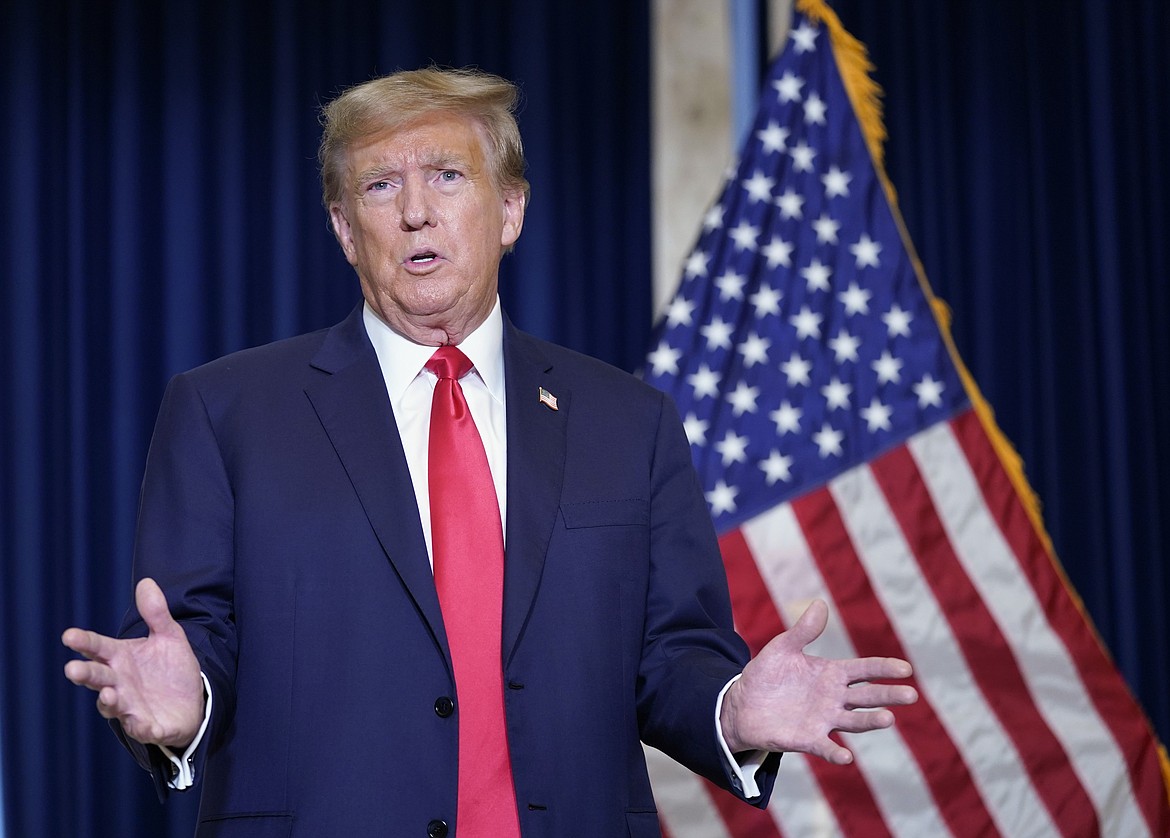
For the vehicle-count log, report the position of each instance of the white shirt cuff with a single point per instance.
(183, 768)
(744, 768)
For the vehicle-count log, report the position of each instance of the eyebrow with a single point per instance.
(438, 160)
(373, 175)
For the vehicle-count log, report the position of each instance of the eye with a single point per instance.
(448, 176)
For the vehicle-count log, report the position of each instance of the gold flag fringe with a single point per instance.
(856, 72)
(865, 95)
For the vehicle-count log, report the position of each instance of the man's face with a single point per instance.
(425, 226)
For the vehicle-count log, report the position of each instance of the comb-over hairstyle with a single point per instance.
(391, 102)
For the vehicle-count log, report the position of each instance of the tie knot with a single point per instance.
(449, 362)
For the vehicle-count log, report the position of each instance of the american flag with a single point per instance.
(845, 456)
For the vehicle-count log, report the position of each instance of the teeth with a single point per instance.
(422, 257)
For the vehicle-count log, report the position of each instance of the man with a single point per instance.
(310, 668)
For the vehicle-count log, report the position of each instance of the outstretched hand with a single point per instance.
(789, 701)
(151, 684)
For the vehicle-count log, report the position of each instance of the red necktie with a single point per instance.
(468, 549)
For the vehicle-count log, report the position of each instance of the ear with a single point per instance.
(343, 231)
(513, 218)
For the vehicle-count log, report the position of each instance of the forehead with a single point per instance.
(436, 138)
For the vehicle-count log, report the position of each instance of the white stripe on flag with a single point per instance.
(941, 669)
(684, 804)
(797, 805)
(793, 580)
(1050, 673)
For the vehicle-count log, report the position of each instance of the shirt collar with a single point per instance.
(401, 360)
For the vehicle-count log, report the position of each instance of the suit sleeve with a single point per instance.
(185, 543)
(690, 648)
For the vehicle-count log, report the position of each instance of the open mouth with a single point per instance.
(423, 257)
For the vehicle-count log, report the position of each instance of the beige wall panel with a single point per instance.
(692, 122)
(691, 127)
(779, 16)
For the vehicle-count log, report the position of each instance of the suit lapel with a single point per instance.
(354, 410)
(536, 467)
(352, 406)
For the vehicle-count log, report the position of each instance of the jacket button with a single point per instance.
(437, 829)
(444, 707)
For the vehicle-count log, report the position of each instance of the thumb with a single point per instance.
(152, 605)
(809, 625)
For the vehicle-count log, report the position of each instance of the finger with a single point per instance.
(89, 643)
(880, 695)
(152, 605)
(107, 703)
(863, 721)
(810, 625)
(836, 754)
(89, 674)
(876, 669)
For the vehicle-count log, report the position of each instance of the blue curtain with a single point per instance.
(1029, 144)
(160, 207)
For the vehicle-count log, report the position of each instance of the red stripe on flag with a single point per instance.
(757, 619)
(988, 654)
(943, 767)
(844, 787)
(1109, 693)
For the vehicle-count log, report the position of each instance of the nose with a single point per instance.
(416, 205)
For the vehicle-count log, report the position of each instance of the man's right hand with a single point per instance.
(151, 684)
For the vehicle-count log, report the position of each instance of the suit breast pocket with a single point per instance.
(246, 826)
(610, 536)
(628, 512)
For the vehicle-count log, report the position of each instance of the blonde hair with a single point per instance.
(390, 102)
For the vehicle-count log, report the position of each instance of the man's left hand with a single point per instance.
(789, 701)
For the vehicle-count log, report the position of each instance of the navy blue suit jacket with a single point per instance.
(278, 515)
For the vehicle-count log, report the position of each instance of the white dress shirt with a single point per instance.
(410, 387)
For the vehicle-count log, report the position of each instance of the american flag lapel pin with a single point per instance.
(548, 399)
